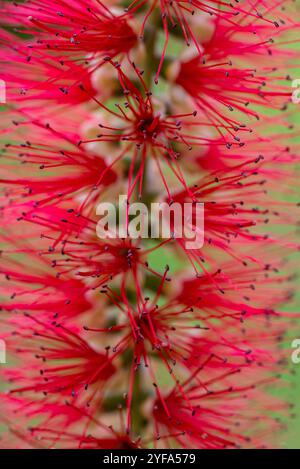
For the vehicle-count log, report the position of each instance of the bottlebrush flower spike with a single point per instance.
(124, 342)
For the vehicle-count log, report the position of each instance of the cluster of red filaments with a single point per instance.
(125, 343)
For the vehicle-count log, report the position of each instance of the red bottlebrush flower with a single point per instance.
(107, 347)
(179, 12)
(55, 414)
(146, 132)
(212, 418)
(187, 338)
(55, 427)
(40, 77)
(58, 360)
(247, 38)
(237, 292)
(71, 41)
(77, 441)
(56, 151)
(278, 159)
(58, 292)
(100, 259)
(76, 27)
(220, 87)
(230, 220)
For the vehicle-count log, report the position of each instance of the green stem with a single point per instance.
(150, 40)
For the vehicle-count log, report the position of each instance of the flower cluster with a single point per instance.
(138, 343)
